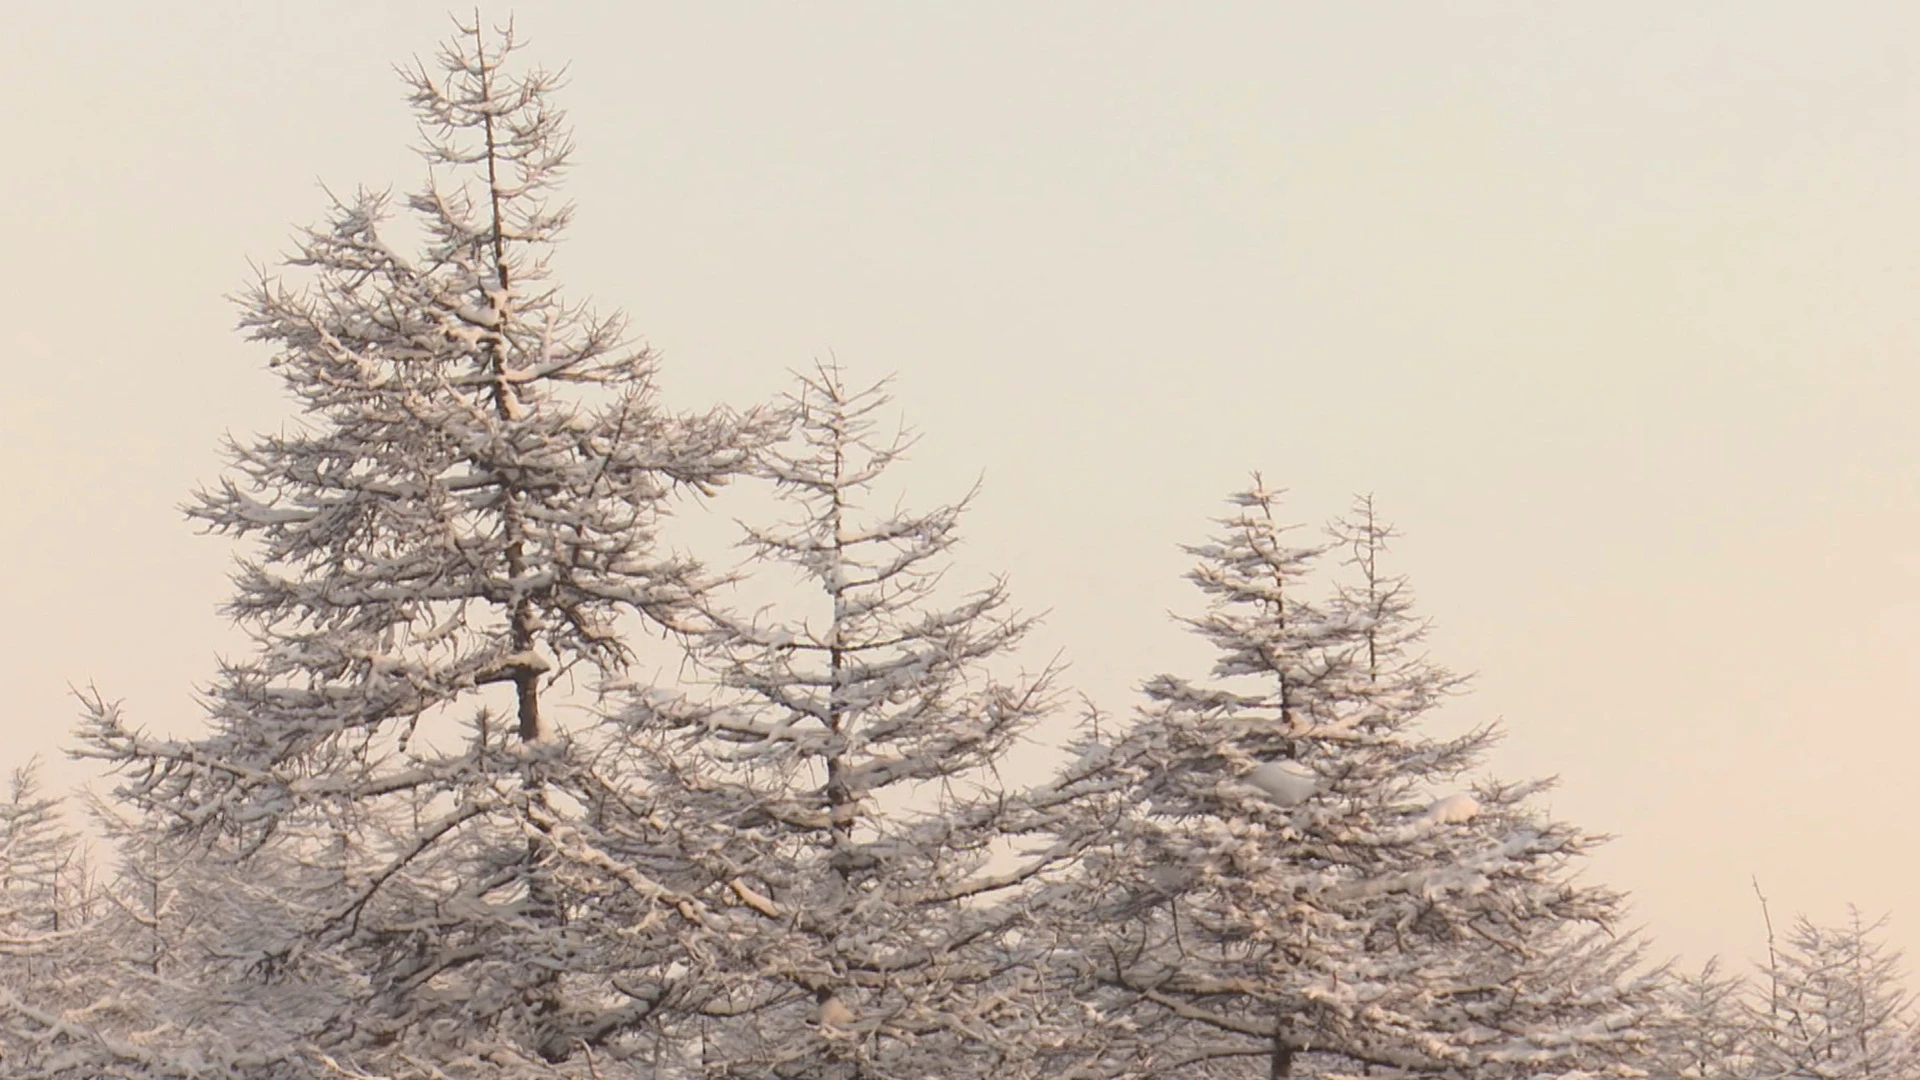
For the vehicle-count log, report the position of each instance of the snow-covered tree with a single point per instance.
(848, 772)
(1833, 1007)
(385, 856)
(47, 888)
(1533, 972)
(1300, 879)
(464, 515)
(1704, 1032)
(53, 959)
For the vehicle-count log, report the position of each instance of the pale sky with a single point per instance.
(1610, 305)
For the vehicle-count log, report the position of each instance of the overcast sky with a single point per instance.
(1611, 305)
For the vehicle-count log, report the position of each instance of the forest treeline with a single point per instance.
(789, 850)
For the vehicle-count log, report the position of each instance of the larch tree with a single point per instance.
(385, 856)
(847, 769)
(1299, 879)
(1518, 968)
(1704, 1033)
(51, 963)
(1833, 1007)
(47, 887)
(464, 515)
(144, 893)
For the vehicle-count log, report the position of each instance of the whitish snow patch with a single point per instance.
(1287, 783)
(1453, 810)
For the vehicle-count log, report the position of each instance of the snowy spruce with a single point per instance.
(506, 786)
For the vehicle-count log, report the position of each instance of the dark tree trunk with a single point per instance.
(1282, 1056)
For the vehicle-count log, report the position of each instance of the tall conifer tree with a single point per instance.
(1301, 875)
(464, 513)
(849, 772)
(1834, 1007)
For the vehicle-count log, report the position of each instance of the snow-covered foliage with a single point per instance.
(845, 775)
(50, 949)
(1703, 1033)
(47, 891)
(1829, 1003)
(789, 852)
(464, 515)
(1833, 1007)
(1296, 874)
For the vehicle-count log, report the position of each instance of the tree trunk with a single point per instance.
(1282, 1062)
